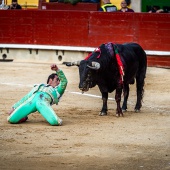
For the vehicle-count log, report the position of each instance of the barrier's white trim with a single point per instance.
(70, 48)
(47, 47)
(157, 52)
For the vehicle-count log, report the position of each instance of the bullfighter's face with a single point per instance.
(54, 82)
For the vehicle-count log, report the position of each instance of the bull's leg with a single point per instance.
(118, 99)
(139, 99)
(140, 90)
(103, 112)
(126, 95)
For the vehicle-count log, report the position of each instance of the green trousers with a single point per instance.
(40, 101)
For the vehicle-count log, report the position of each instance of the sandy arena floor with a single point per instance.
(86, 141)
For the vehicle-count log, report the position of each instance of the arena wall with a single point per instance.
(83, 29)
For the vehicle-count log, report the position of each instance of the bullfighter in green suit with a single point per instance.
(40, 99)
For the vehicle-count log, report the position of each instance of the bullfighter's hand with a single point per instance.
(10, 112)
(54, 67)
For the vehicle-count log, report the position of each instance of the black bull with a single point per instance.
(101, 68)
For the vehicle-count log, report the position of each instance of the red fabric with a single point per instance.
(96, 50)
(23, 120)
(120, 64)
(88, 56)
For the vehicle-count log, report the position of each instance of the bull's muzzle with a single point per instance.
(84, 87)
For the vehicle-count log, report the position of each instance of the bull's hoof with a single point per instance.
(119, 114)
(124, 110)
(137, 110)
(102, 114)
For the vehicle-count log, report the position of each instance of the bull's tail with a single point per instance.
(140, 80)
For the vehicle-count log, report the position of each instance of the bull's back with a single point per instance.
(132, 53)
(134, 59)
(140, 55)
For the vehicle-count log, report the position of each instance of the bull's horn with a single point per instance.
(75, 63)
(95, 65)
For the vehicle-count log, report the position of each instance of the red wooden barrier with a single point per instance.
(87, 29)
(158, 61)
(83, 28)
(151, 31)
